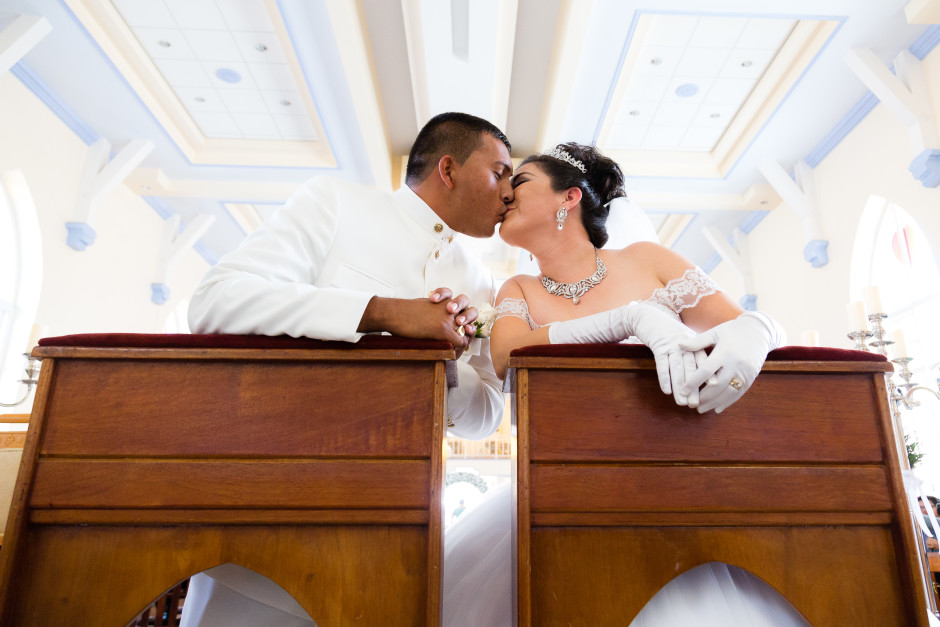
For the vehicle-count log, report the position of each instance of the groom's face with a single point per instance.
(482, 189)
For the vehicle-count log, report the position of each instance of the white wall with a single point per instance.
(872, 159)
(105, 288)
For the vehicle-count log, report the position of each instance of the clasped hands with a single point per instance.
(440, 316)
(450, 318)
(703, 381)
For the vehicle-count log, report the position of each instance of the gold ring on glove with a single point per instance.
(736, 383)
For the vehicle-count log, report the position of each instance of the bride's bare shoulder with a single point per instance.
(654, 259)
(638, 255)
(517, 287)
(645, 250)
(511, 288)
(651, 253)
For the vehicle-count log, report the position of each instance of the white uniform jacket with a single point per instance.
(311, 269)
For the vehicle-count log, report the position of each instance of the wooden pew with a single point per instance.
(620, 490)
(151, 458)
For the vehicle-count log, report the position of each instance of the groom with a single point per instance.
(340, 260)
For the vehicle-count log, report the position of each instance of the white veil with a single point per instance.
(628, 224)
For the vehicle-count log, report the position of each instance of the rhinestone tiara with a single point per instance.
(561, 155)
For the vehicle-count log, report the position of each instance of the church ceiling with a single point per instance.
(243, 100)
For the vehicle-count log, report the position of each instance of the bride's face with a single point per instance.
(531, 214)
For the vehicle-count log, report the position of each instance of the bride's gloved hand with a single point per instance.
(740, 347)
(659, 330)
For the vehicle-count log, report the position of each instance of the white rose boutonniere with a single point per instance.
(486, 316)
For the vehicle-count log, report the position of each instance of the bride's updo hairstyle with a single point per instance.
(601, 182)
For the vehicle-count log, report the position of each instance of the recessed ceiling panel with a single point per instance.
(219, 75)
(230, 74)
(683, 87)
(694, 90)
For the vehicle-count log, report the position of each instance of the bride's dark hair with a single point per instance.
(601, 182)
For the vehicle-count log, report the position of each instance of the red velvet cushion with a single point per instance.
(629, 351)
(822, 353)
(639, 351)
(185, 340)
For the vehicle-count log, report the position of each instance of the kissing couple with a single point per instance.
(341, 259)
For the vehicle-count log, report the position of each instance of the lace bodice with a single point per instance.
(676, 296)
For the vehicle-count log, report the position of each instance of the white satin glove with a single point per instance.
(659, 330)
(740, 348)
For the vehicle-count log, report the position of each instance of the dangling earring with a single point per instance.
(561, 216)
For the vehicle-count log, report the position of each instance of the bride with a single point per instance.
(561, 203)
(585, 293)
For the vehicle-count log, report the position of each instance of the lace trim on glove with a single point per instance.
(517, 308)
(686, 291)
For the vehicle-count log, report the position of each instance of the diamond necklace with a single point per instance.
(575, 291)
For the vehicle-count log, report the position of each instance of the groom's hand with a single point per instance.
(420, 318)
(459, 307)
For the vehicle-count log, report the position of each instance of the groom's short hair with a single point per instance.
(454, 134)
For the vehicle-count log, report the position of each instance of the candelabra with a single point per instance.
(32, 378)
(879, 344)
(895, 349)
(878, 332)
(901, 394)
(906, 399)
(861, 334)
(859, 338)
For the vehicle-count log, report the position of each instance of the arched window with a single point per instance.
(10, 277)
(892, 252)
(20, 281)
